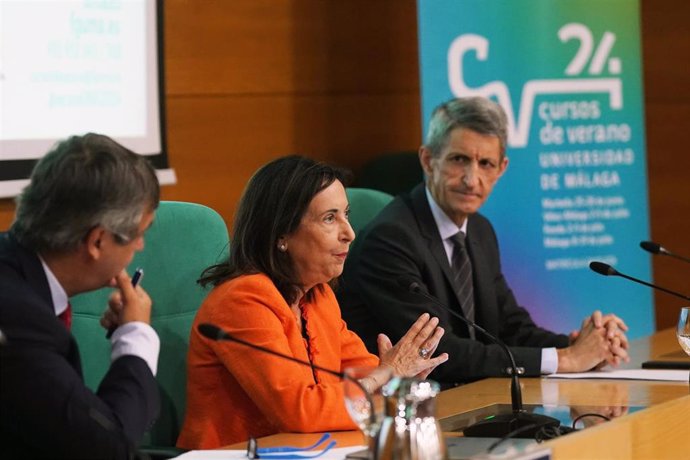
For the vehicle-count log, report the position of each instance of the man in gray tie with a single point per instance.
(435, 237)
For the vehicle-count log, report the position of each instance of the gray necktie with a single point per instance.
(462, 272)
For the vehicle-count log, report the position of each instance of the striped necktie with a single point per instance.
(462, 274)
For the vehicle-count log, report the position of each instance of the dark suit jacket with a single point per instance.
(403, 242)
(45, 408)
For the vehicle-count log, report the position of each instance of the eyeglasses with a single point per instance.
(287, 452)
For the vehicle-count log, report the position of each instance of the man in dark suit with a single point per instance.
(435, 237)
(78, 224)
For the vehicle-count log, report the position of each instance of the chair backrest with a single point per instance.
(184, 239)
(365, 204)
(392, 173)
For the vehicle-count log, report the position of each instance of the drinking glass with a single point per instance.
(363, 388)
(683, 330)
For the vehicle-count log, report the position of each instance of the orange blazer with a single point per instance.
(234, 392)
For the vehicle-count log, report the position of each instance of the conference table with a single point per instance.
(655, 423)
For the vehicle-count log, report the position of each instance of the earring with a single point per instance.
(282, 247)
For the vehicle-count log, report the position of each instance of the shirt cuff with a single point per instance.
(136, 339)
(549, 360)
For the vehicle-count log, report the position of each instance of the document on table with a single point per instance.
(628, 374)
(337, 453)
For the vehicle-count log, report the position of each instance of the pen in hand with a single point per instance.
(136, 278)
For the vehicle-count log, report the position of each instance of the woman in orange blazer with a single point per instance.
(290, 240)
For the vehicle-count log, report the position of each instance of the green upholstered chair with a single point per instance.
(184, 239)
(365, 204)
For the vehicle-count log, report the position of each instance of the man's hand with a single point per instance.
(126, 304)
(585, 347)
(590, 349)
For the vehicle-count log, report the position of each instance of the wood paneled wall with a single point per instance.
(666, 54)
(250, 80)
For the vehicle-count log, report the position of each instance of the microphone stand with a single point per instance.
(607, 270)
(656, 248)
(499, 425)
(215, 333)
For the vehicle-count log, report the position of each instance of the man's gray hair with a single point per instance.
(85, 181)
(476, 113)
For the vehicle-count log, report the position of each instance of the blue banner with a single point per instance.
(568, 75)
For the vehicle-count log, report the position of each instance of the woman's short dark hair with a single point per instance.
(272, 206)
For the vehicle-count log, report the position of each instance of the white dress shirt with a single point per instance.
(135, 338)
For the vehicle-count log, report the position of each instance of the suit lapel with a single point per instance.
(429, 231)
(31, 269)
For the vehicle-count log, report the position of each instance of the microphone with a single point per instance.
(499, 425)
(656, 248)
(607, 270)
(217, 334)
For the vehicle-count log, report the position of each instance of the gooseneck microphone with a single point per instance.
(656, 248)
(499, 425)
(607, 270)
(215, 333)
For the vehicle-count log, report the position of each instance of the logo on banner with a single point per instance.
(518, 130)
